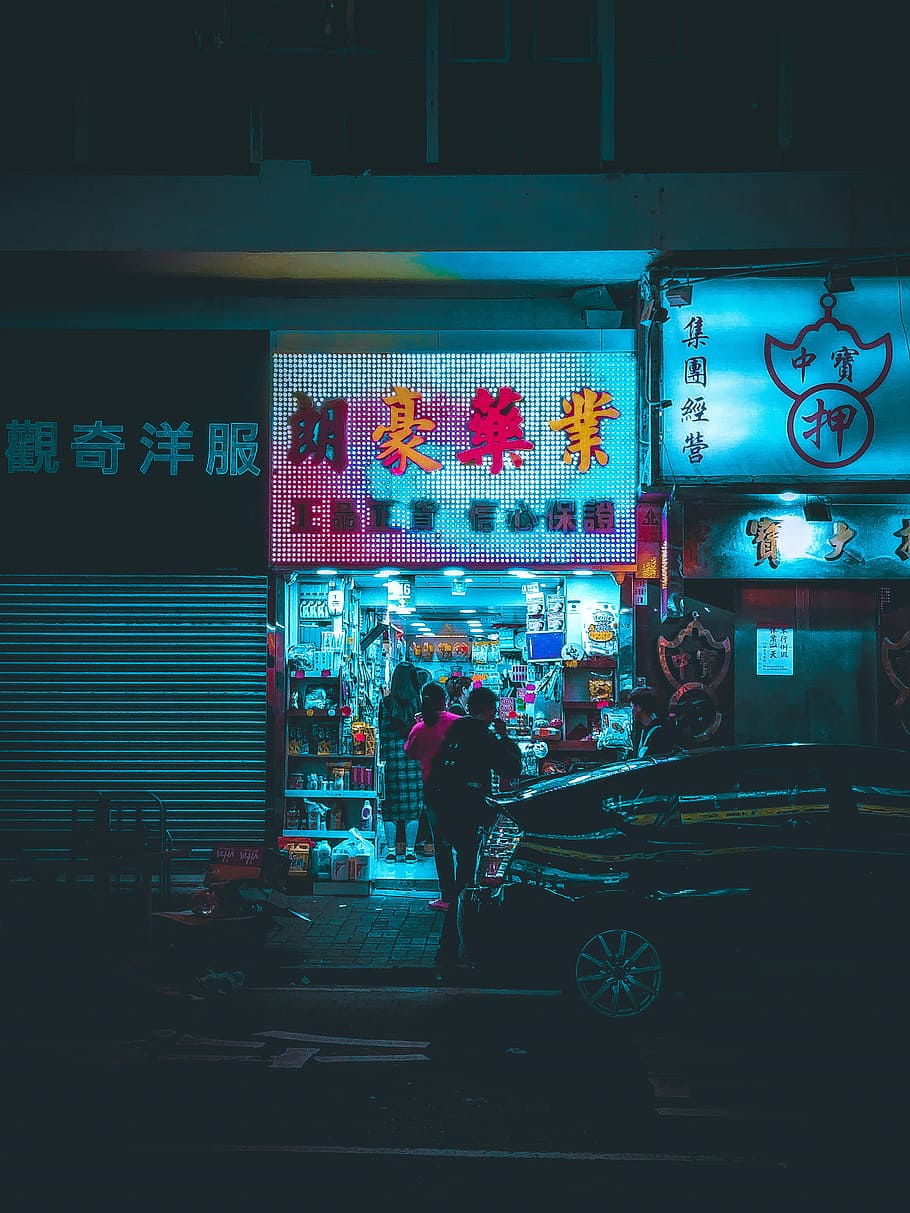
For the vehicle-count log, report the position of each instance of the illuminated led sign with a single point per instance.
(427, 459)
(782, 381)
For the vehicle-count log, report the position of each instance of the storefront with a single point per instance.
(472, 514)
(784, 437)
(133, 585)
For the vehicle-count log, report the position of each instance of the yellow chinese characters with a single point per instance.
(399, 440)
(583, 413)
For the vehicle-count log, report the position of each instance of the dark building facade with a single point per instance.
(190, 188)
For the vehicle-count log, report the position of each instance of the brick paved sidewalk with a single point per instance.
(391, 928)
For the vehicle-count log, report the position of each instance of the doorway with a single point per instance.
(823, 687)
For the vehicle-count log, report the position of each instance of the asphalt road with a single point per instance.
(447, 1095)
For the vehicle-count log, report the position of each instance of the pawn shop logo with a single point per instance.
(829, 373)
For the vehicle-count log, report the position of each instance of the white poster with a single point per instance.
(774, 650)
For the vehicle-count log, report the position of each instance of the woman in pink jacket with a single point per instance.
(422, 743)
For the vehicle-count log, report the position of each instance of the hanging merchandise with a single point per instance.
(555, 613)
(600, 688)
(599, 626)
(313, 604)
(615, 728)
(534, 608)
(484, 652)
(335, 601)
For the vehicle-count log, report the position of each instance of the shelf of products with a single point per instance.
(328, 794)
(295, 832)
(330, 760)
(585, 686)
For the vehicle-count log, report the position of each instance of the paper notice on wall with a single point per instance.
(773, 651)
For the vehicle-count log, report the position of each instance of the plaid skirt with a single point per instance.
(403, 780)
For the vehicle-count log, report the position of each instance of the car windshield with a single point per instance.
(591, 801)
(744, 785)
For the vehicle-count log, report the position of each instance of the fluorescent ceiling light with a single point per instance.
(326, 572)
(467, 611)
(788, 496)
(582, 573)
(387, 573)
(453, 572)
(520, 573)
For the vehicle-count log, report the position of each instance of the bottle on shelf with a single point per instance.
(366, 817)
(322, 860)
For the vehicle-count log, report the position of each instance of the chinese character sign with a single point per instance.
(427, 458)
(859, 541)
(134, 451)
(782, 380)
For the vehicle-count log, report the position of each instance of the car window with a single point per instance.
(880, 781)
(564, 809)
(646, 796)
(759, 786)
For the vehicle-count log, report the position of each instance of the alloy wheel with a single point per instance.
(618, 973)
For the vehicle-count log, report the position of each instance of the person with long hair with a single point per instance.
(457, 689)
(403, 778)
(423, 743)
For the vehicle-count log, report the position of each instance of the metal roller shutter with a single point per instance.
(124, 684)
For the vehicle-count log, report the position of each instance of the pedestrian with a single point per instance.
(457, 688)
(656, 733)
(473, 748)
(403, 780)
(423, 743)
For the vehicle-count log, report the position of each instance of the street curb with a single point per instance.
(395, 975)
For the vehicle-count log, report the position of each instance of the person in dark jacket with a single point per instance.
(656, 734)
(474, 747)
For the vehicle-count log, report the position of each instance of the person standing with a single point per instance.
(656, 734)
(403, 800)
(457, 688)
(423, 743)
(460, 780)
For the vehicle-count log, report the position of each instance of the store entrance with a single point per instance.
(546, 645)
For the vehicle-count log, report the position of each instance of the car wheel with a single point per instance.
(618, 973)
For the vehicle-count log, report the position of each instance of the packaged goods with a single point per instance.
(352, 859)
(322, 860)
(600, 688)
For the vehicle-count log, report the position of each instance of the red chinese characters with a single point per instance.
(496, 428)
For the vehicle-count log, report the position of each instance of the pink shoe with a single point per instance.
(438, 904)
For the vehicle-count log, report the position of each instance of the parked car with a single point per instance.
(629, 881)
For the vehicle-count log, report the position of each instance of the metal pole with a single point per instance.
(606, 54)
(431, 83)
